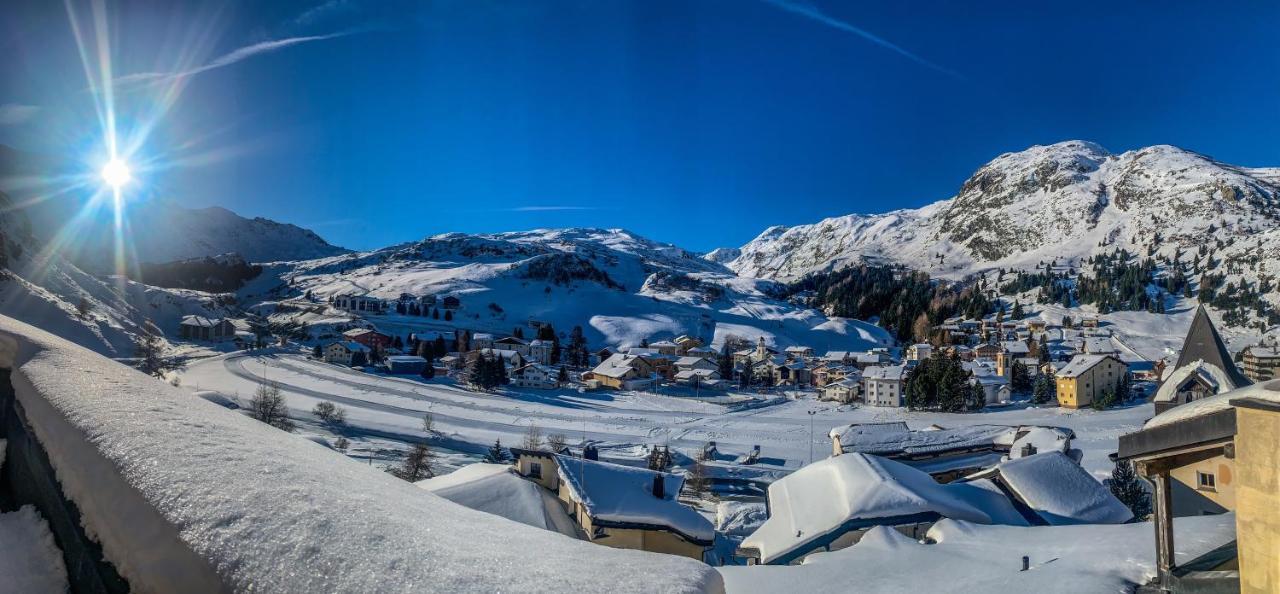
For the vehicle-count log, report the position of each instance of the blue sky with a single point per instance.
(698, 123)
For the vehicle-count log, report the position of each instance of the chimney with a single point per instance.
(659, 486)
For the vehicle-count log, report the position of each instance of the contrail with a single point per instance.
(230, 58)
(812, 12)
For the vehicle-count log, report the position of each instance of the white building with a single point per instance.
(342, 352)
(882, 385)
(919, 351)
(359, 303)
(535, 375)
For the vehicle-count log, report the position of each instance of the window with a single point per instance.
(1205, 481)
(535, 469)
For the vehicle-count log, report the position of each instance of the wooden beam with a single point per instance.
(1164, 528)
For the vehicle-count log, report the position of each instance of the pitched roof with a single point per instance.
(200, 321)
(1059, 491)
(1082, 363)
(829, 497)
(617, 494)
(1204, 343)
(616, 366)
(885, 372)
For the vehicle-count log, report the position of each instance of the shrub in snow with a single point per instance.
(268, 406)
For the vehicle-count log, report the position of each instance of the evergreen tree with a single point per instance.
(1106, 399)
(1019, 378)
(418, 465)
(977, 397)
(1043, 390)
(149, 351)
(448, 315)
(358, 359)
(438, 347)
(428, 370)
(317, 352)
(435, 313)
(563, 376)
(497, 454)
(1128, 488)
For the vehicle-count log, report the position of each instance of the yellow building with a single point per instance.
(1221, 455)
(1086, 377)
(1258, 493)
(621, 371)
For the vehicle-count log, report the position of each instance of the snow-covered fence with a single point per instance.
(186, 496)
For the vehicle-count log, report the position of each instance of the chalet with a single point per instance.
(688, 343)
(404, 364)
(700, 378)
(540, 351)
(1089, 322)
(370, 338)
(1086, 377)
(701, 351)
(426, 301)
(830, 504)
(630, 508)
(844, 391)
(798, 352)
(601, 355)
(840, 358)
(1204, 367)
(986, 352)
(535, 375)
(359, 303)
(622, 372)
(1261, 362)
(343, 353)
(919, 351)
(1051, 489)
(688, 363)
(512, 343)
(512, 359)
(790, 373)
(882, 386)
(1037, 326)
(451, 302)
(1215, 455)
(665, 347)
(202, 328)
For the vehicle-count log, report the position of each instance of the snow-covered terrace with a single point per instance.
(185, 496)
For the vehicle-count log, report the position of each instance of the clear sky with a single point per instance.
(694, 122)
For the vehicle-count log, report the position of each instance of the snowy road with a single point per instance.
(624, 422)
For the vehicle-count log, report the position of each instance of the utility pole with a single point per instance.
(812, 412)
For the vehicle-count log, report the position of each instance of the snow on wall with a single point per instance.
(185, 495)
(30, 561)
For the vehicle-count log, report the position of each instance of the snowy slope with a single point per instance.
(1064, 201)
(620, 287)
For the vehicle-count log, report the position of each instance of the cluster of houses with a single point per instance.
(368, 304)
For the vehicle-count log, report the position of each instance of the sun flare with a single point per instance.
(116, 173)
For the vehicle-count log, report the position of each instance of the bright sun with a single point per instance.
(116, 173)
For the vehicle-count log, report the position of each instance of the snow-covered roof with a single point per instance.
(616, 366)
(691, 373)
(158, 477)
(354, 332)
(1043, 439)
(885, 372)
(690, 361)
(895, 438)
(1099, 345)
(405, 359)
(1211, 374)
(1058, 490)
(619, 494)
(1015, 347)
(813, 505)
(498, 490)
(32, 561)
(201, 321)
(663, 344)
(351, 346)
(1080, 364)
(968, 558)
(1269, 391)
(481, 336)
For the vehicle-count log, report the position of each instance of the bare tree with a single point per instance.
(342, 444)
(418, 465)
(556, 442)
(429, 424)
(533, 438)
(268, 406)
(330, 413)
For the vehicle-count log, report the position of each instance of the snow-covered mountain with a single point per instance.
(1061, 202)
(160, 230)
(621, 288)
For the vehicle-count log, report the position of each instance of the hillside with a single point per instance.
(621, 288)
(161, 230)
(1062, 204)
